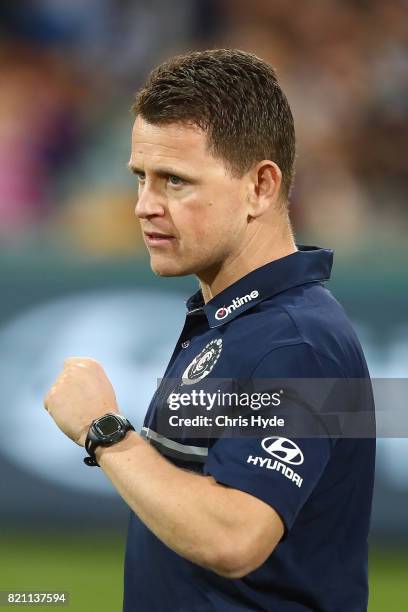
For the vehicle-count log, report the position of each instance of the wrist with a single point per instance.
(105, 431)
(123, 445)
(82, 436)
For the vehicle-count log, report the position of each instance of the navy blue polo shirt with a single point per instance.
(279, 321)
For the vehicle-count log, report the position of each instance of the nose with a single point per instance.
(149, 204)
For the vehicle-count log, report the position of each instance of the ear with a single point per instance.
(264, 183)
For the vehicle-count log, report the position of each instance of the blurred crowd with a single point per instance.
(68, 71)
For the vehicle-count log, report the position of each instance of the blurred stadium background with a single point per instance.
(74, 276)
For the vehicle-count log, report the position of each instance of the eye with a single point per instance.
(175, 181)
(141, 177)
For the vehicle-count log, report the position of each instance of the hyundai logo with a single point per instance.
(283, 449)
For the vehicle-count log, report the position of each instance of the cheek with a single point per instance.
(223, 218)
(193, 218)
(207, 219)
(206, 225)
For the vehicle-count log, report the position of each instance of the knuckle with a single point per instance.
(82, 362)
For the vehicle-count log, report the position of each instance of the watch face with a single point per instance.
(107, 425)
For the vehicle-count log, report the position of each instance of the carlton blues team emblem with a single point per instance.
(203, 363)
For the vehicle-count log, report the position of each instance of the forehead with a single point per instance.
(171, 142)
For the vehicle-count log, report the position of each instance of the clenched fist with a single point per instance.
(81, 393)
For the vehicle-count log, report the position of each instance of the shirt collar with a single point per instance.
(307, 265)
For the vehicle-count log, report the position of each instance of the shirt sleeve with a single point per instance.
(281, 471)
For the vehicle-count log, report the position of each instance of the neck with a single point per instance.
(261, 248)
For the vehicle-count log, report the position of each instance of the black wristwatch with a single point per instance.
(105, 431)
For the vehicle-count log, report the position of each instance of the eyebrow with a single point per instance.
(162, 172)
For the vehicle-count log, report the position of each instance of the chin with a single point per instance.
(168, 268)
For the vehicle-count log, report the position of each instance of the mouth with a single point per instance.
(155, 239)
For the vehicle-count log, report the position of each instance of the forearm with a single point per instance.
(191, 514)
(221, 528)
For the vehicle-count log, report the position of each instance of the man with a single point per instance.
(214, 525)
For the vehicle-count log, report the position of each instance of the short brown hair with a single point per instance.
(231, 95)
